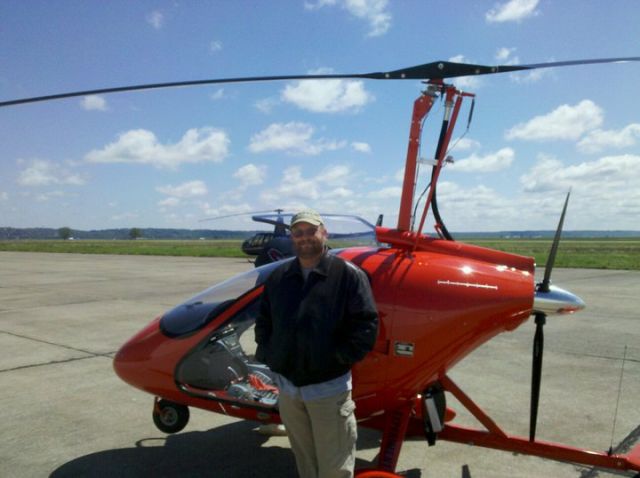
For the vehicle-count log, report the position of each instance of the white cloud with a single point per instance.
(293, 185)
(41, 172)
(250, 175)
(338, 193)
(390, 192)
(46, 196)
(4, 196)
(529, 76)
(215, 46)
(604, 195)
(142, 147)
(361, 147)
(266, 105)
(94, 103)
(604, 192)
(538, 179)
(600, 140)
(319, 4)
(226, 210)
(217, 95)
(327, 96)
(190, 189)
(478, 208)
(512, 11)
(479, 197)
(293, 138)
(156, 19)
(503, 55)
(375, 12)
(489, 163)
(565, 123)
(603, 177)
(465, 144)
(328, 184)
(169, 202)
(335, 175)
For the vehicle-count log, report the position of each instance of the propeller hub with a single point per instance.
(556, 301)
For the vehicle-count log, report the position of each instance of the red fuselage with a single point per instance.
(437, 304)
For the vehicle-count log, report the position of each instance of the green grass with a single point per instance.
(209, 248)
(575, 253)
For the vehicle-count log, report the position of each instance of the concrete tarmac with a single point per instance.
(66, 414)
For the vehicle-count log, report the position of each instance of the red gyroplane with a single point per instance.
(438, 300)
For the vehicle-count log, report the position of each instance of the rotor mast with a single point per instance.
(421, 108)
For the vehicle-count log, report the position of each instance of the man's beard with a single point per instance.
(309, 249)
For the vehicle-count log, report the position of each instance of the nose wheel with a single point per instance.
(168, 416)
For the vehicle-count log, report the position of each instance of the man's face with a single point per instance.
(308, 240)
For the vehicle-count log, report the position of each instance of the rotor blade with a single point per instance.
(213, 218)
(445, 69)
(436, 70)
(593, 61)
(536, 374)
(544, 285)
(172, 84)
(349, 217)
(334, 218)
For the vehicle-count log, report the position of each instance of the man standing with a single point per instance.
(317, 318)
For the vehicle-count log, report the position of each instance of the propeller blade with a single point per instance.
(546, 281)
(437, 70)
(540, 319)
(536, 374)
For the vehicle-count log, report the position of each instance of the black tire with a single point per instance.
(170, 417)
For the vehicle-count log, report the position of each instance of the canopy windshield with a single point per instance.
(199, 310)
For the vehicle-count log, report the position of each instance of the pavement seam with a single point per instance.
(68, 347)
(605, 357)
(56, 362)
(62, 304)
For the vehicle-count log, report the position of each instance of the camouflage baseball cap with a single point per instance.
(307, 215)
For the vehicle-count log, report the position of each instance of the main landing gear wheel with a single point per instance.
(170, 417)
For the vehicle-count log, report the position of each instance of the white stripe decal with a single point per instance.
(468, 284)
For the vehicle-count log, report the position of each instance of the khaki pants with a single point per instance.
(322, 434)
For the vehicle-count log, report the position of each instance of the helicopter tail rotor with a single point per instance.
(543, 288)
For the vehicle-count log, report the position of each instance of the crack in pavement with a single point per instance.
(604, 357)
(68, 347)
(55, 362)
(62, 304)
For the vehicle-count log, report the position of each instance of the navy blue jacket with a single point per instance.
(313, 331)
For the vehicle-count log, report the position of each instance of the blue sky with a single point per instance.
(171, 157)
